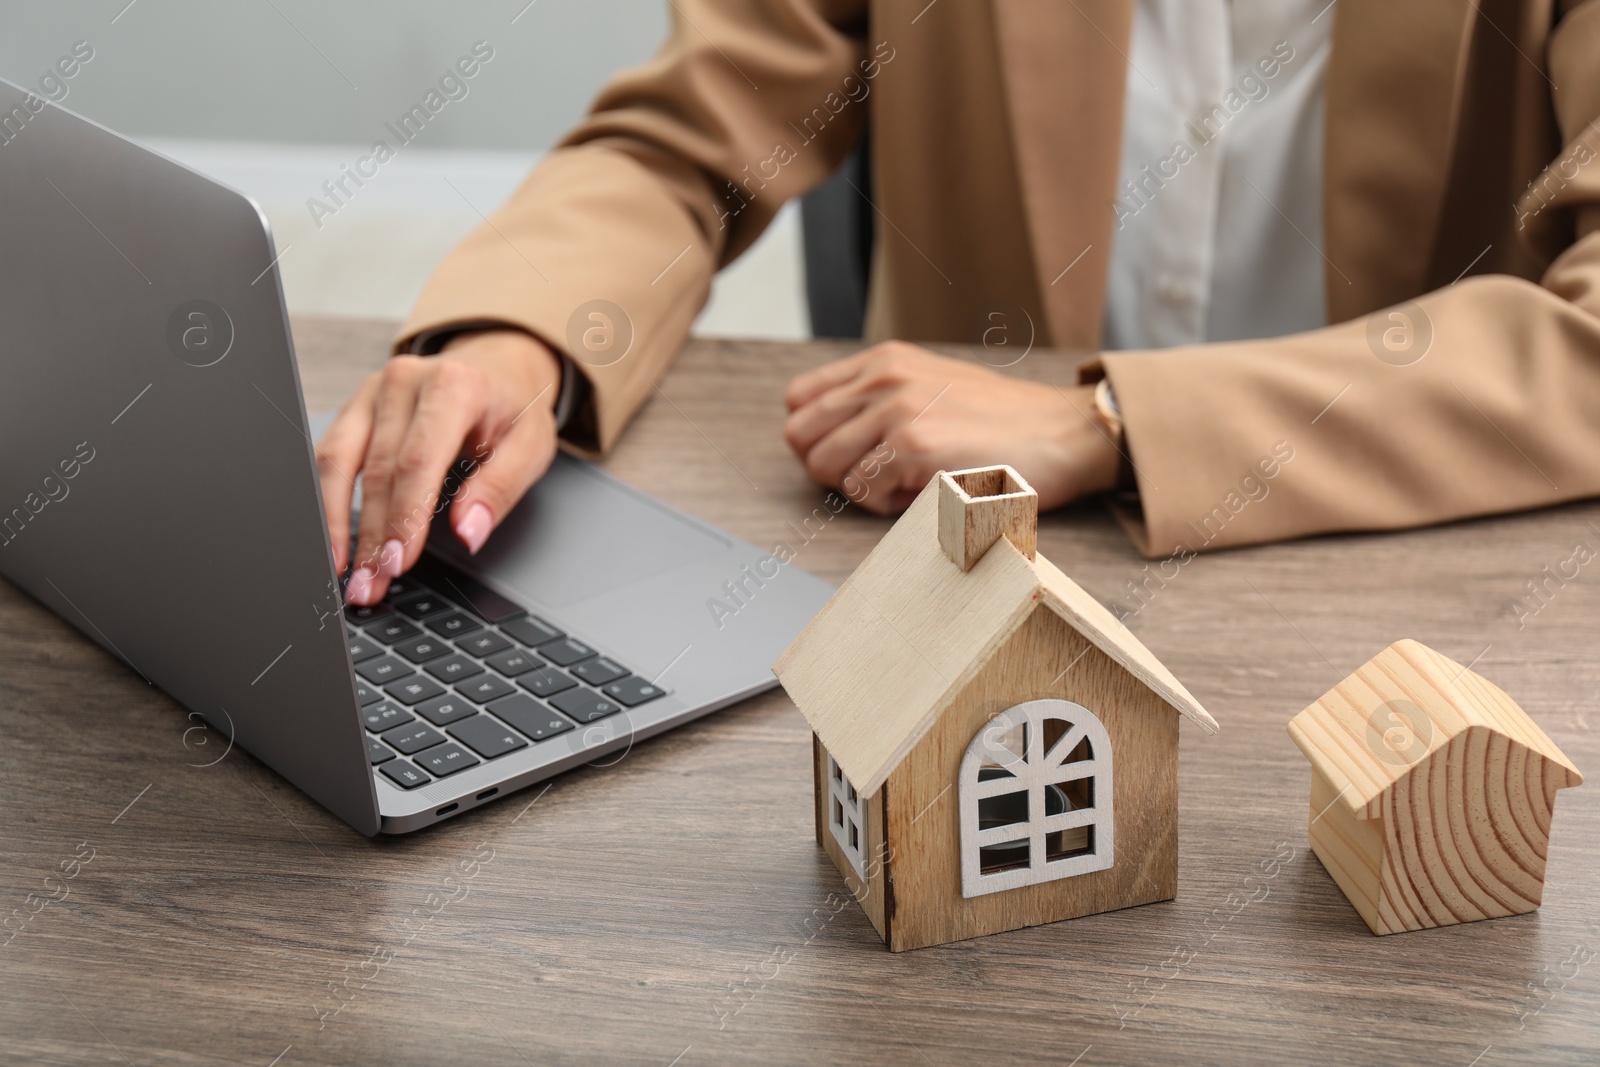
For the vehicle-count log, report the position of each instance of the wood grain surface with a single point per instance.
(968, 527)
(674, 908)
(1446, 790)
(1038, 661)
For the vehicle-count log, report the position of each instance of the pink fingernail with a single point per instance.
(474, 527)
(359, 589)
(390, 558)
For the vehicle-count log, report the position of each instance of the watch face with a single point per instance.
(1106, 399)
(1105, 406)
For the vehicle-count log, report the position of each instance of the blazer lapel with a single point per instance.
(1393, 93)
(1065, 75)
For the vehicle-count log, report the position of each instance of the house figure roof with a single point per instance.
(952, 580)
(1397, 710)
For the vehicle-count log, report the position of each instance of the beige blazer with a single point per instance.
(1460, 172)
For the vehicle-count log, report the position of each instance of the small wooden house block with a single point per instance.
(992, 748)
(1431, 792)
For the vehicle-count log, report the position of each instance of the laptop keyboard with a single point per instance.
(442, 688)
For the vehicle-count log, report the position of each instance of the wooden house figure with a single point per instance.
(992, 748)
(1432, 792)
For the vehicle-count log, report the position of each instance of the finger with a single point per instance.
(836, 454)
(339, 456)
(891, 491)
(808, 386)
(505, 470)
(397, 400)
(904, 464)
(824, 414)
(898, 500)
(451, 402)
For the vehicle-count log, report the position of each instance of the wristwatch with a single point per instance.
(1105, 405)
(1106, 410)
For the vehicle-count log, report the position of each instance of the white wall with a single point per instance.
(272, 95)
(277, 70)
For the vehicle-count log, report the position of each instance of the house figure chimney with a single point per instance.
(978, 507)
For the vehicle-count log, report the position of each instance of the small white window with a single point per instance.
(846, 819)
(1035, 798)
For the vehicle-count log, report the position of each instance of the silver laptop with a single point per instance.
(158, 491)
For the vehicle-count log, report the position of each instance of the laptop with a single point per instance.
(158, 491)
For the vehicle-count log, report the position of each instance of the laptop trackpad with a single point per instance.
(578, 534)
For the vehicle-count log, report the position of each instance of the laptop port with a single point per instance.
(487, 793)
(447, 809)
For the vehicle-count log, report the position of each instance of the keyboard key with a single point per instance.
(530, 717)
(363, 649)
(447, 759)
(383, 670)
(455, 624)
(484, 602)
(384, 715)
(377, 753)
(422, 649)
(483, 643)
(512, 662)
(403, 586)
(414, 690)
(446, 709)
(366, 694)
(403, 774)
(422, 605)
(598, 672)
(530, 630)
(453, 668)
(392, 629)
(487, 737)
(565, 652)
(360, 616)
(545, 682)
(413, 738)
(583, 705)
(485, 687)
(631, 692)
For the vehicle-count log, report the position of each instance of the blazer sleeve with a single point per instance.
(1241, 443)
(679, 166)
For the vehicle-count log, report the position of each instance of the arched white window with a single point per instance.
(1035, 798)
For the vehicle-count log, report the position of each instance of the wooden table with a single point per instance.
(675, 909)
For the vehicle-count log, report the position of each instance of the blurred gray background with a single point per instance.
(273, 96)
